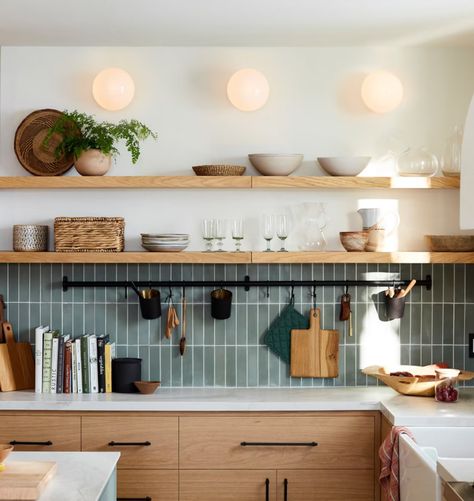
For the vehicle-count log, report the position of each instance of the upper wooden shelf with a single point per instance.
(234, 257)
(231, 182)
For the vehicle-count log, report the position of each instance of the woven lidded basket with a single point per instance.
(89, 234)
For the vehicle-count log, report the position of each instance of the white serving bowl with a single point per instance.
(343, 166)
(275, 164)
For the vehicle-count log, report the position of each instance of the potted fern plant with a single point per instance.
(93, 143)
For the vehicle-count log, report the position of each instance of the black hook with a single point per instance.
(314, 296)
(268, 291)
(292, 293)
(184, 292)
(347, 290)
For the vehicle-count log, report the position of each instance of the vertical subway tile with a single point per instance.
(459, 282)
(187, 364)
(437, 283)
(437, 324)
(426, 323)
(165, 365)
(209, 365)
(241, 366)
(459, 319)
(448, 323)
(198, 366)
(219, 361)
(230, 366)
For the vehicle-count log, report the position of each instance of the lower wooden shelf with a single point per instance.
(235, 257)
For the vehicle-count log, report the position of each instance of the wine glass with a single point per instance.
(208, 233)
(268, 231)
(282, 229)
(238, 233)
(220, 230)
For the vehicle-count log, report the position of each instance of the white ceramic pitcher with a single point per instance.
(378, 218)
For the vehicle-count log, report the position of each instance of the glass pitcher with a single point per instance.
(310, 220)
(417, 162)
(451, 161)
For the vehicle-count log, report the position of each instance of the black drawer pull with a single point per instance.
(285, 489)
(267, 490)
(20, 442)
(148, 498)
(137, 444)
(278, 444)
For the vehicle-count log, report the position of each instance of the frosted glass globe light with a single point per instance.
(113, 89)
(248, 90)
(382, 91)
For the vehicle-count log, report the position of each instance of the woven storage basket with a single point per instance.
(89, 234)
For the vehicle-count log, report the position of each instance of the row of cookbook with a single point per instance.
(67, 365)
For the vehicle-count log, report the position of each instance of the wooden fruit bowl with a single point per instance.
(422, 384)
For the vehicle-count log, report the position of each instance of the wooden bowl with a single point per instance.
(147, 387)
(450, 243)
(354, 241)
(422, 384)
(5, 450)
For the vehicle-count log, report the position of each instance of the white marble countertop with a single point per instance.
(456, 469)
(399, 409)
(81, 476)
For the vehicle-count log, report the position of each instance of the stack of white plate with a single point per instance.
(165, 242)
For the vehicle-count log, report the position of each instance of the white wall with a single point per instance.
(314, 108)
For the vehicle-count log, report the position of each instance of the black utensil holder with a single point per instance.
(221, 304)
(150, 304)
(395, 307)
(124, 372)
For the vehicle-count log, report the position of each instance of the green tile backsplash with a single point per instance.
(230, 353)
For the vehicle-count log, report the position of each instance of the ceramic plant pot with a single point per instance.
(93, 163)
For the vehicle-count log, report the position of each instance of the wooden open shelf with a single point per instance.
(235, 257)
(231, 182)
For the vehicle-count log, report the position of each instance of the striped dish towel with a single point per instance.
(389, 471)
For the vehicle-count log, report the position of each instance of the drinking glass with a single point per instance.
(268, 231)
(208, 233)
(220, 230)
(282, 229)
(238, 233)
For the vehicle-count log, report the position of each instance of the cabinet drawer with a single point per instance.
(143, 442)
(227, 485)
(325, 485)
(41, 432)
(277, 442)
(147, 485)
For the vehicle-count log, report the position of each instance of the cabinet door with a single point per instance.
(147, 485)
(325, 485)
(227, 485)
(41, 432)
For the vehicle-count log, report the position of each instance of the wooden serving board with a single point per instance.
(314, 351)
(21, 361)
(25, 480)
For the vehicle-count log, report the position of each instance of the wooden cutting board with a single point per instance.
(314, 351)
(25, 480)
(7, 381)
(21, 363)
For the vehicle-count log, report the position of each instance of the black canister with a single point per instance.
(124, 372)
(150, 304)
(395, 307)
(221, 304)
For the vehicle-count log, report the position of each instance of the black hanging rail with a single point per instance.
(246, 283)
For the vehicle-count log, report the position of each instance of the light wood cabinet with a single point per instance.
(41, 432)
(227, 485)
(143, 442)
(144, 485)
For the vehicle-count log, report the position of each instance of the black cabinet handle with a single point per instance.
(20, 442)
(267, 490)
(148, 498)
(285, 489)
(137, 444)
(278, 444)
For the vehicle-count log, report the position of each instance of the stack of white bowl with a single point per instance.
(165, 242)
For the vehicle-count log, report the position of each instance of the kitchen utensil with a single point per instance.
(125, 371)
(21, 359)
(275, 164)
(5, 450)
(422, 384)
(343, 166)
(354, 241)
(450, 243)
(182, 341)
(147, 387)
(417, 162)
(345, 311)
(7, 379)
(30, 237)
(172, 320)
(395, 307)
(314, 352)
(278, 335)
(150, 302)
(32, 154)
(219, 170)
(25, 480)
(221, 304)
(405, 292)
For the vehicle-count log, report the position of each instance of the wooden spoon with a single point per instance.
(405, 292)
(172, 320)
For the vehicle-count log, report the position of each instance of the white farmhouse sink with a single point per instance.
(419, 480)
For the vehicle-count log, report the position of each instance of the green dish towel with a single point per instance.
(278, 335)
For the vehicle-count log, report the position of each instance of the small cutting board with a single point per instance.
(314, 351)
(21, 360)
(25, 480)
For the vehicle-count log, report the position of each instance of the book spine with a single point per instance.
(39, 333)
(54, 365)
(101, 362)
(47, 345)
(93, 369)
(85, 364)
(79, 366)
(108, 368)
(74, 368)
(67, 366)
(59, 386)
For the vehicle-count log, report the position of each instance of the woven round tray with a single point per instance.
(29, 148)
(219, 170)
